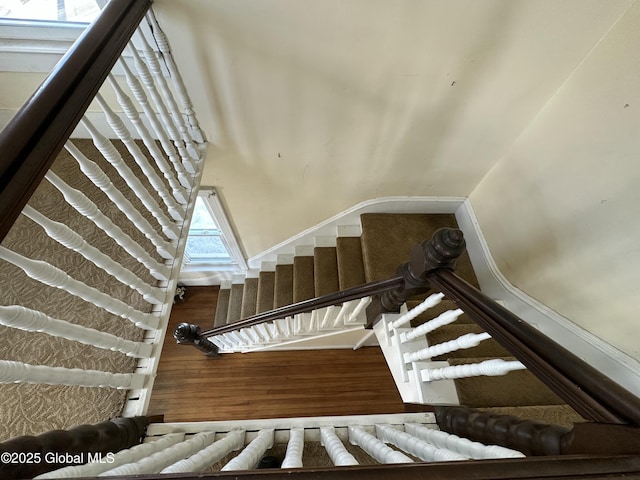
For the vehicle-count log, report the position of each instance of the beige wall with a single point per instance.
(312, 107)
(561, 210)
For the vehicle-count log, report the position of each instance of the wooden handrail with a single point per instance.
(552, 467)
(336, 298)
(36, 134)
(591, 393)
(28, 456)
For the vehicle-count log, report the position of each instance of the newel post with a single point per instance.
(189, 334)
(441, 251)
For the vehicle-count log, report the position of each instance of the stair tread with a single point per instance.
(388, 238)
(283, 286)
(487, 348)
(517, 388)
(325, 267)
(249, 298)
(266, 284)
(235, 303)
(222, 307)
(350, 263)
(303, 286)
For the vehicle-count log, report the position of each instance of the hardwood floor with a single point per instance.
(190, 387)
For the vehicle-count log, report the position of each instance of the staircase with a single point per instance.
(347, 261)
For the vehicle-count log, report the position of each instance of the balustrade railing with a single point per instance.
(118, 249)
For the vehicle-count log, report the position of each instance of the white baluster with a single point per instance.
(122, 457)
(86, 207)
(221, 342)
(295, 447)
(263, 331)
(70, 239)
(340, 456)
(430, 302)
(168, 227)
(165, 141)
(17, 372)
(252, 453)
(465, 341)
(54, 277)
(154, 65)
(16, 316)
(415, 446)
(463, 446)
(489, 368)
(206, 457)
(167, 121)
(180, 89)
(104, 145)
(155, 462)
(441, 320)
(376, 448)
(362, 304)
(178, 191)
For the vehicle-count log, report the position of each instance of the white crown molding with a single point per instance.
(612, 362)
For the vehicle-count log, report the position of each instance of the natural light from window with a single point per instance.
(80, 11)
(205, 243)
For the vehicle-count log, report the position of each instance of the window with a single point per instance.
(211, 244)
(82, 11)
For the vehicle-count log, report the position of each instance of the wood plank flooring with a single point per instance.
(190, 387)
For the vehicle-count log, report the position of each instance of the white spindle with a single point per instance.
(430, 302)
(252, 453)
(263, 331)
(122, 457)
(87, 208)
(155, 462)
(463, 446)
(415, 446)
(17, 372)
(22, 318)
(72, 240)
(180, 89)
(206, 457)
(150, 114)
(178, 191)
(167, 121)
(358, 310)
(376, 448)
(54, 277)
(176, 115)
(333, 445)
(489, 368)
(465, 341)
(168, 227)
(295, 447)
(111, 154)
(441, 320)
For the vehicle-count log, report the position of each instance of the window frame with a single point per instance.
(238, 262)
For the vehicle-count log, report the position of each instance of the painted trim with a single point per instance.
(351, 216)
(615, 364)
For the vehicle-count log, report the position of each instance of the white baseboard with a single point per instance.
(612, 362)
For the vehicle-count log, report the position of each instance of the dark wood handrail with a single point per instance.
(569, 467)
(591, 393)
(336, 298)
(50, 450)
(36, 134)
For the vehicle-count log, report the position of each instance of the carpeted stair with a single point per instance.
(385, 243)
